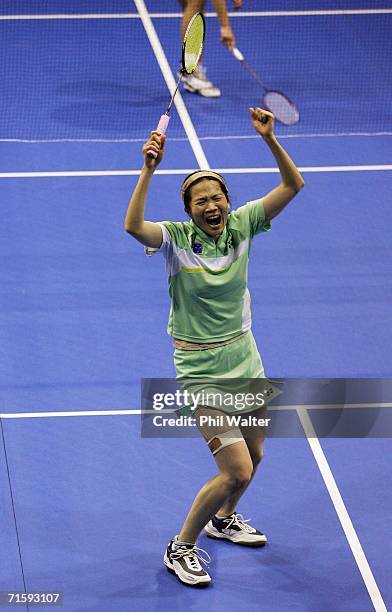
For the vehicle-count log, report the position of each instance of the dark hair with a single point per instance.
(187, 193)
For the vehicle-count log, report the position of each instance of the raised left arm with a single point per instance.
(291, 180)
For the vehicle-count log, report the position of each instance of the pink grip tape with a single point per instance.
(161, 128)
(163, 123)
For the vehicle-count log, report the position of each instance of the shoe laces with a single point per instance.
(239, 521)
(194, 554)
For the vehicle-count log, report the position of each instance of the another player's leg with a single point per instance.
(197, 82)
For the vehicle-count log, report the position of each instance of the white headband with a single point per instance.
(200, 175)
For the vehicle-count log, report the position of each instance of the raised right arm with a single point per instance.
(146, 232)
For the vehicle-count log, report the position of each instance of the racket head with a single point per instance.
(282, 107)
(192, 47)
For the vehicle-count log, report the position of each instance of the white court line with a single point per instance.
(89, 413)
(181, 171)
(183, 139)
(282, 136)
(307, 169)
(341, 511)
(48, 16)
(171, 84)
(75, 413)
(308, 13)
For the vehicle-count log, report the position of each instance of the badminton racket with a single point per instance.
(278, 103)
(192, 48)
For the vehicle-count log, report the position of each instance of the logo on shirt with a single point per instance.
(197, 248)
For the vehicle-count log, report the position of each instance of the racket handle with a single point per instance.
(163, 123)
(237, 54)
(161, 129)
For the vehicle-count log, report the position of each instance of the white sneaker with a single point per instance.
(184, 562)
(197, 82)
(235, 529)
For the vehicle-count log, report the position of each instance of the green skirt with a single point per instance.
(237, 360)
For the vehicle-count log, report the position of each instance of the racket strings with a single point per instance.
(193, 43)
(283, 109)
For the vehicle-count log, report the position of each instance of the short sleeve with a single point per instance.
(174, 237)
(166, 240)
(251, 218)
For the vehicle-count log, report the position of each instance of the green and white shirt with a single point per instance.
(208, 280)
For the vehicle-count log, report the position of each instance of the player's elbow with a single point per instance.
(131, 229)
(300, 183)
(296, 186)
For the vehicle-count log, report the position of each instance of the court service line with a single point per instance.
(50, 16)
(307, 169)
(184, 139)
(341, 511)
(280, 136)
(182, 171)
(89, 413)
(304, 13)
(171, 84)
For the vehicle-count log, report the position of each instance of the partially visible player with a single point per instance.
(198, 81)
(210, 321)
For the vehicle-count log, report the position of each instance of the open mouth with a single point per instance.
(214, 220)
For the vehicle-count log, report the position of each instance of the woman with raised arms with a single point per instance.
(210, 322)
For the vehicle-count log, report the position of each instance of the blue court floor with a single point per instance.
(88, 505)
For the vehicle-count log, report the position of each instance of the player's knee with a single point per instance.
(238, 478)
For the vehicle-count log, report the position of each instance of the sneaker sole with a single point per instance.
(222, 536)
(170, 568)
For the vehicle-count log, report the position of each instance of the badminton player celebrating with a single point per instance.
(207, 262)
